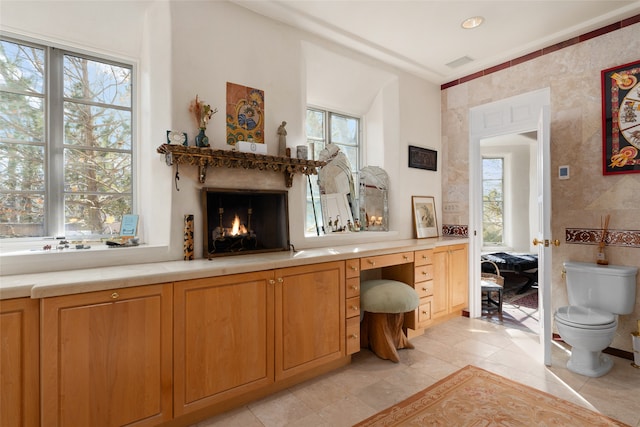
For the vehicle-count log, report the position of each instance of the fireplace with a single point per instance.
(238, 222)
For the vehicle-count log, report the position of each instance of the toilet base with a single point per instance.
(589, 363)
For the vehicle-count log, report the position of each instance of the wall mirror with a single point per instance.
(335, 181)
(373, 199)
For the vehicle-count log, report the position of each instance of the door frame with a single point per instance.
(517, 114)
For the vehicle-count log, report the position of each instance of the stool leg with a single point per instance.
(383, 334)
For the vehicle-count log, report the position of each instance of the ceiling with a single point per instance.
(422, 37)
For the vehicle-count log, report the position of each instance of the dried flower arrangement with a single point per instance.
(202, 112)
(601, 257)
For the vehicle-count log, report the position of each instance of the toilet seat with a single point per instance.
(585, 317)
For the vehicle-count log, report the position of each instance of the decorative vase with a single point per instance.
(202, 140)
(188, 237)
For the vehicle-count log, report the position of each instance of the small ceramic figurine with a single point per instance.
(282, 140)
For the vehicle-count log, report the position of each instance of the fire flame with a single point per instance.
(237, 228)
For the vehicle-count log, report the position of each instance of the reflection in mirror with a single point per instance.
(336, 178)
(373, 200)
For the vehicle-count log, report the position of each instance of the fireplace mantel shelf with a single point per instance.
(205, 157)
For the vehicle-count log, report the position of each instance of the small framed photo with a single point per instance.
(129, 226)
(423, 158)
(424, 216)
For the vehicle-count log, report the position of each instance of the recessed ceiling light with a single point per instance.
(472, 22)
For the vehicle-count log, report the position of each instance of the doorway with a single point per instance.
(516, 115)
(509, 219)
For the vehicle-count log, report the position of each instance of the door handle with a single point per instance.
(537, 242)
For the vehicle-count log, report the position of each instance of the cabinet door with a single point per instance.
(440, 305)
(458, 277)
(106, 358)
(310, 317)
(223, 338)
(19, 372)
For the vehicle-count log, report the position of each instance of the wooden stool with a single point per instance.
(384, 303)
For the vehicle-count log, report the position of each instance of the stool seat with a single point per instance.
(387, 296)
(384, 303)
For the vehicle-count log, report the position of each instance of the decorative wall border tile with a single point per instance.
(592, 236)
(455, 230)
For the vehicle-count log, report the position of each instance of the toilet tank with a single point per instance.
(610, 288)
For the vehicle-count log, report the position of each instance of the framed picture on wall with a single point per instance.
(621, 119)
(423, 158)
(424, 216)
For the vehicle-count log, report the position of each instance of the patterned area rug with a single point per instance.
(475, 397)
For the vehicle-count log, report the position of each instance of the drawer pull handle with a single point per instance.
(354, 307)
(371, 262)
(425, 312)
(405, 257)
(115, 295)
(354, 268)
(280, 280)
(424, 289)
(354, 287)
(272, 282)
(425, 257)
(424, 273)
(353, 336)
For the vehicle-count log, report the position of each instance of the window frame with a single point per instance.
(503, 202)
(54, 138)
(328, 115)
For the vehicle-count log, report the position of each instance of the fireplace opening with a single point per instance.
(238, 222)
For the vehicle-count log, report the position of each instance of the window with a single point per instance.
(66, 142)
(493, 201)
(326, 127)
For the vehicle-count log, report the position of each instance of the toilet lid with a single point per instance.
(584, 317)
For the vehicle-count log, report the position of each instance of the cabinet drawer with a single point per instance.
(353, 307)
(424, 289)
(353, 287)
(385, 260)
(424, 257)
(424, 311)
(353, 335)
(353, 268)
(423, 272)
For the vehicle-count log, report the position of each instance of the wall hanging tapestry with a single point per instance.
(621, 119)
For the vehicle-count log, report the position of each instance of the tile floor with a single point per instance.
(353, 393)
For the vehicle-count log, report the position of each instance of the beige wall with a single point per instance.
(573, 75)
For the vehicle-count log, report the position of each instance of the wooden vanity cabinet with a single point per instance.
(106, 358)
(352, 309)
(423, 284)
(223, 338)
(19, 359)
(450, 280)
(309, 317)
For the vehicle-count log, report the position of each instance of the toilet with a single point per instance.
(597, 295)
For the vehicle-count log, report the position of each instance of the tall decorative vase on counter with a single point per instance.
(202, 140)
(188, 237)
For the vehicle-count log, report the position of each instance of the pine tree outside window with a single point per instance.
(66, 142)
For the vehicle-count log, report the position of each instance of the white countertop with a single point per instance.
(42, 285)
